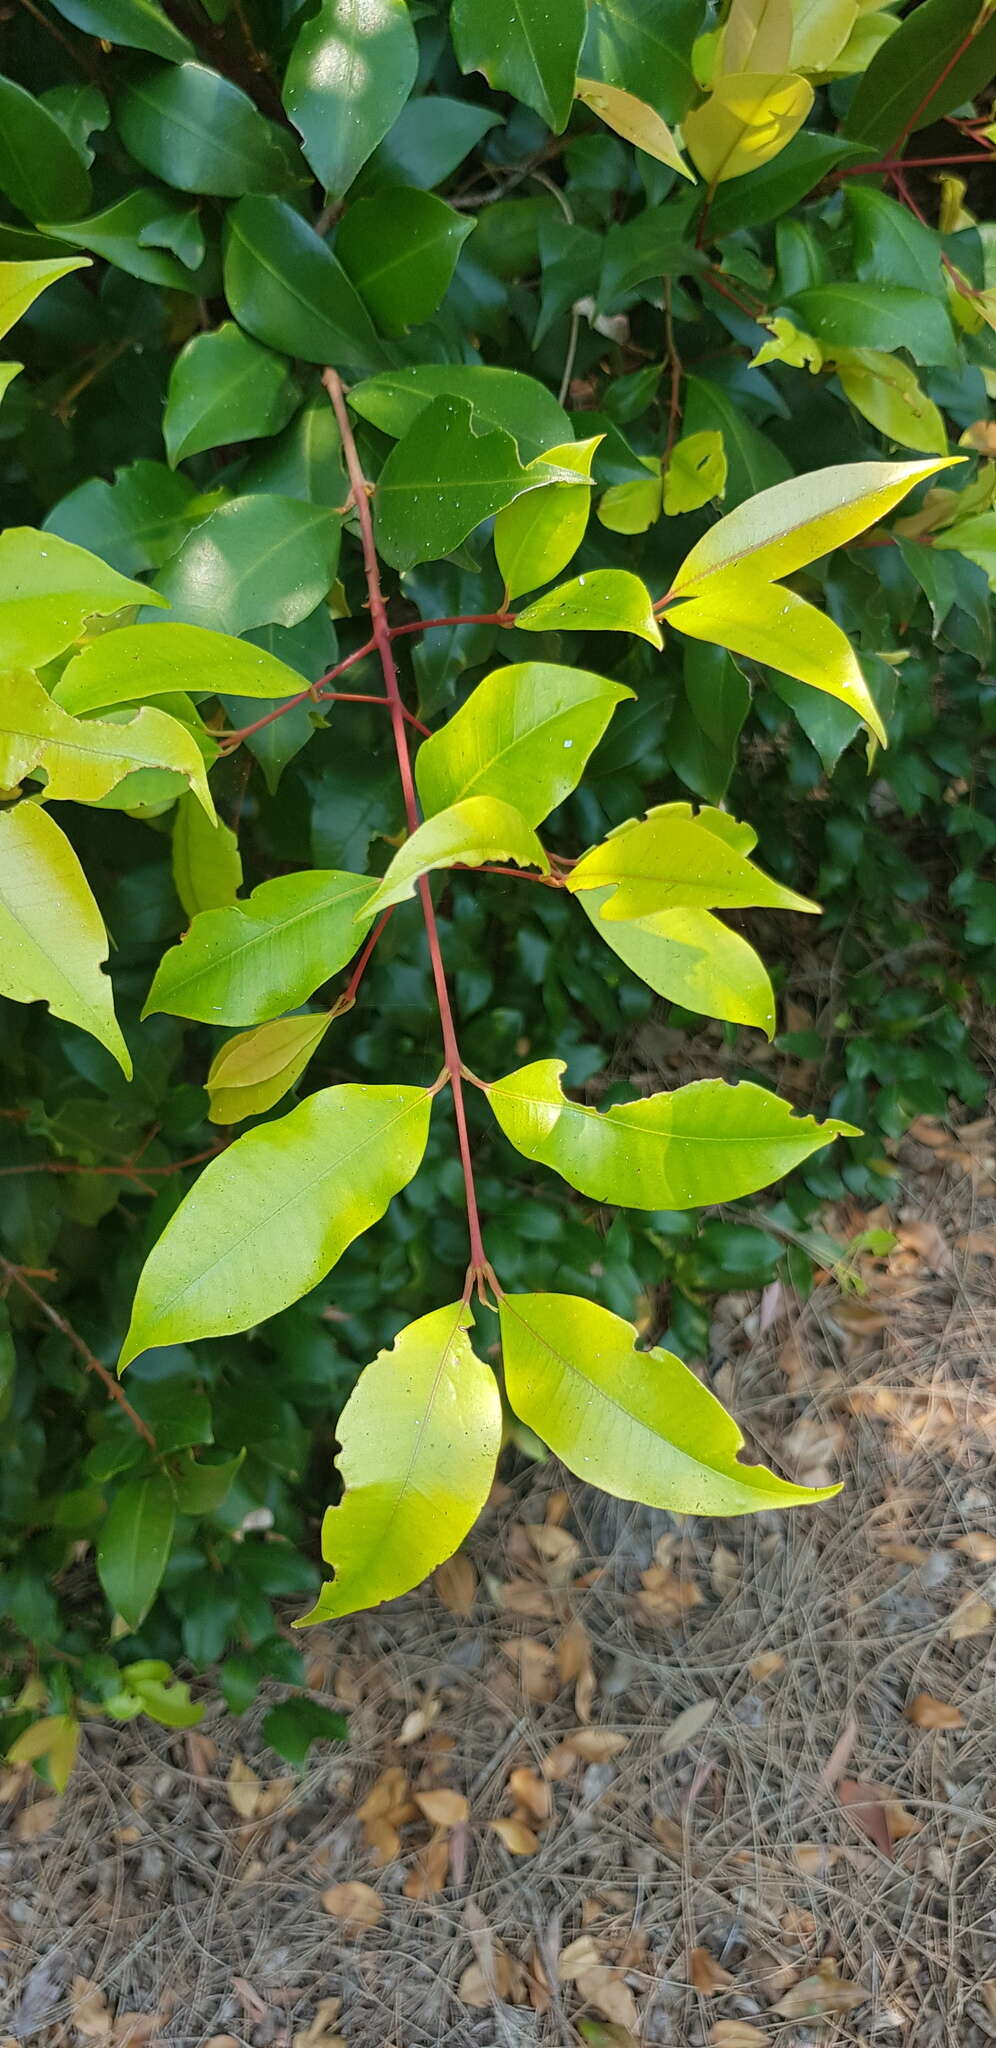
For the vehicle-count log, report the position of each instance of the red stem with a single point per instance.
(348, 997)
(910, 163)
(965, 44)
(382, 639)
(15, 1275)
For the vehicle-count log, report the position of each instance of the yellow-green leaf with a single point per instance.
(246, 962)
(696, 471)
(254, 1070)
(690, 957)
(52, 939)
(420, 1437)
(747, 119)
(757, 36)
(602, 601)
(634, 120)
(820, 31)
(22, 283)
(766, 622)
(887, 391)
(8, 371)
(271, 1215)
(479, 829)
(55, 1741)
(536, 536)
(634, 506)
(706, 1143)
(524, 735)
(636, 1423)
(83, 759)
(48, 589)
(788, 344)
(207, 865)
(137, 662)
(679, 859)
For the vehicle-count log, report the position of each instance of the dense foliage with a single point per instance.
(569, 387)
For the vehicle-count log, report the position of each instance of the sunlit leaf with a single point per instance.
(480, 828)
(602, 601)
(527, 48)
(48, 589)
(252, 1072)
(52, 939)
(84, 759)
(677, 858)
(690, 957)
(524, 735)
(138, 662)
(696, 472)
(536, 536)
(207, 867)
(747, 119)
(348, 76)
(22, 283)
(634, 120)
(245, 963)
(886, 391)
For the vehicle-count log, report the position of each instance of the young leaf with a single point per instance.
(255, 1070)
(247, 962)
(536, 536)
(349, 74)
(634, 506)
(400, 248)
(479, 829)
(443, 478)
(83, 759)
(55, 1739)
(646, 47)
(635, 121)
(757, 36)
(677, 858)
(520, 405)
(134, 1545)
(22, 283)
(52, 939)
(637, 1423)
(524, 735)
(137, 662)
(285, 286)
(529, 49)
(48, 588)
(603, 601)
(270, 1216)
(194, 129)
(409, 1499)
(886, 391)
(691, 958)
(207, 866)
(766, 622)
(705, 1143)
(747, 119)
(695, 472)
(224, 388)
(256, 561)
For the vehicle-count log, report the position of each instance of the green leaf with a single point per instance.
(762, 195)
(194, 129)
(443, 478)
(294, 1725)
(54, 1740)
(636, 1423)
(884, 390)
(271, 1215)
(207, 866)
(707, 720)
(634, 506)
(677, 858)
(653, 244)
(420, 1437)
(528, 49)
(83, 760)
(400, 249)
(22, 283)
(48, 589)
(177, 1411)
(52, 939)
(134, 1545)
(40, 170)
(705, 1143)
(134, 24)
(696, 472)
(645, 46)
(306, 460)
(479, 829)
(349, 74)
(753, 462)
(285, 286)
(116, 233)
(890, 245)
(255, 1070)
(941, 54)
(170, 1705)
(748, 118)
(766, 622)
(524, 735)
(883, 316)
(603, 601)
(136, 662)
(224, 388)
(519, 405)
(202, 1488)
(256, 561)
(536, 536)
(134, 523)
(631, 117)
(691, 958)
(245, 963)
(428, 142)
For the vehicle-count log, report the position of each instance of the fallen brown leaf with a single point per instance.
(418, 1723)
(536, 1667)
(244, 1789)
(671, 1836)
(574, 1660)
(971, 1617)
(979, 1545)
(877, 1812)
(607, 1991)
(818, 1996)
(927, 1712)
(455, 1584)
(725, 1571)
(525, 1597)
(840, 1754)
(926, 1240)
(766, 1665)
(35, 1820)
(430, 1870)
(530, 1791)
(443, 1809)
(519, 1840)
(322, 2031)
(580, 1955)
(596, 1745)
(357, 1905)
(89, 2010)
(685, 1727)
(708, 1977)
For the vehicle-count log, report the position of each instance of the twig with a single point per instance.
(15, 1276)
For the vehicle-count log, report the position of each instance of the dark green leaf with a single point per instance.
(645, 46)
(287, 288)
(528, 48)
(753, 462)
(225, 388)
(350, 72)
(442, 479)
(941, 54)
(427, 142)
(885, 316)
(117, 232)
(764, 194)
(400, 248)
(291, 1729)
(195, 129)
(255, 561)
(135, 24)
(891, 246)
(135, 523)
(40, 170)
(707, 720)
(134, 1545)
(520, 405)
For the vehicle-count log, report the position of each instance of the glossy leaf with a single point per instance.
(427, 142)
(687, 1149)
(53, 945)
(747, 119)
(707, 720)
(766, 622)
(194, 129)
(134, 523)
(134, 1545)
(884, 390)
(224, 388)
(773, 189)
(84, 759)
(529, 49)
(636, 1423)
(443, 478)
(348, 77)
(400, 249)
(690, 957)
(256, 561)
(524, 735)
(480, 828)
(634, 506)
(943, 51)
(753, 463)
(820, 30)
(22, 283)
(537, 535)
(255, 1070)
(207, 865)
(285, 287)
(757, 36)
(696, 472)
(519, 405)
(883, 316)
(40, 170)
(677, 858)
(48, 589)
(133, 24)
(603, 601)
(138, 662)
(117, 233)
(634, 120)
(420, 1437)
(645, 46)
(271, 1215)
(248, 961)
